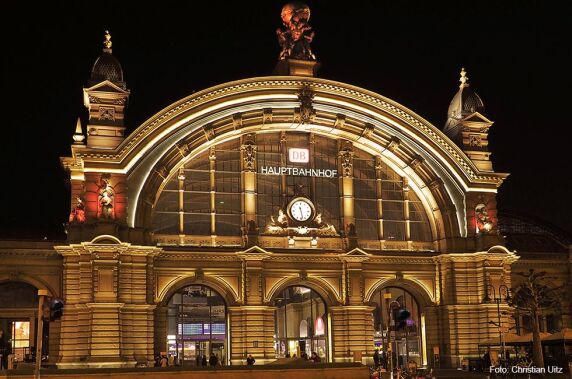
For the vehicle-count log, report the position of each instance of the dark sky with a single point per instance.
(514, 51)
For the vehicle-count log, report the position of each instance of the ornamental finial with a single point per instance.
(297, 35)
(107, 43)
(78, 136)
(464, 78)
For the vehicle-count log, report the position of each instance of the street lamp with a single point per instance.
(500, 293)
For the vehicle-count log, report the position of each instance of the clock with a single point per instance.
(301, 209)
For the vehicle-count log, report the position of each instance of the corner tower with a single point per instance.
(467, 124)
(106, 99)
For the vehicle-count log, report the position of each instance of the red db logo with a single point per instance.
(298, 155)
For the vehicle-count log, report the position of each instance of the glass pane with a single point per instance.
(394, 230)
(197, 202)
(197, 224)
(168, 201)
(228, 225)
(166, 222)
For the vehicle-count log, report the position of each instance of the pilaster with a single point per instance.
(252, 332)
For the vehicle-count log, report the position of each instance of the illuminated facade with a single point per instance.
(272, 216)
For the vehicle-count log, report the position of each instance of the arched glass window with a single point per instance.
(300, 324)
(207, 195)
(398, 312)
(196, 325)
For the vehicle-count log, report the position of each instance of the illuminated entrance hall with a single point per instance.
(301, 323)
(196, 325)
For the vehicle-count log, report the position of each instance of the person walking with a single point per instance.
(376, 358)
(213, 360)
(250, 360)
(164, 361)
(204, 360)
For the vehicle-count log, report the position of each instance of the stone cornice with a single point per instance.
(95, 248)
(28, 253)
(496, 253)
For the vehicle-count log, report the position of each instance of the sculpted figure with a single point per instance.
(295, 39)
(78, 213)
(105, 200)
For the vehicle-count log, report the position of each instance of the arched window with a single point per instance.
(206, 197)
(196, 325)
(300, 323)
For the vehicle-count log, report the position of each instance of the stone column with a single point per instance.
(352, 326)
(346, 155)
(251, 332)
(160, 330)
(252, 324)
(248, 169)
(352, 333)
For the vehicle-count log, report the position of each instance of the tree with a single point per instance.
(531, 297)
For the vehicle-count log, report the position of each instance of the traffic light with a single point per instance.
(56, 309)
(401, 315)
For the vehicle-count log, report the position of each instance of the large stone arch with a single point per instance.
(39, 283)
(223, 289)
(320, 286)
(438, 169)
(424, 296)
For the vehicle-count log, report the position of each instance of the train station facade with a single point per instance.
(271, 216)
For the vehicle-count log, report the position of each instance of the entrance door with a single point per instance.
(196, 325)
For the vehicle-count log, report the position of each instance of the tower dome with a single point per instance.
(465, 102)
(106, 66)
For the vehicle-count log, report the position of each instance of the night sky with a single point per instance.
(514, 52)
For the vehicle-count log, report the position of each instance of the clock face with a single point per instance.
(300, 210)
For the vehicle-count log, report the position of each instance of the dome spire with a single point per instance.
(107, 42)
(464, 79)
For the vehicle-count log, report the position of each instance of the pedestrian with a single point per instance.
(314, 357)
(250, 360)
(204, 360)
(486, 361)
(317, 358)
(171, 360)
(384, 359)
(164, 361)
(376, 358)
(213, 360)
(198, 360)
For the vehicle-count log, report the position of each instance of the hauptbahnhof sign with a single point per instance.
(298, 171)
(298, 155)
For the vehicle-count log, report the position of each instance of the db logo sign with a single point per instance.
(298, 155)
